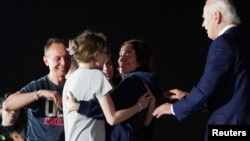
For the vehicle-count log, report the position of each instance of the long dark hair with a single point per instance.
(116, 76)
(143, 53)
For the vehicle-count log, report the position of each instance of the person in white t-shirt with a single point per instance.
(89, 82)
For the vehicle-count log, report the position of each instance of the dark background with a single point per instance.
(172, 28)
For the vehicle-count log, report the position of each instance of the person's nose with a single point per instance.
(104, 68)
(122, 59)
(63, 61)
(202, 25)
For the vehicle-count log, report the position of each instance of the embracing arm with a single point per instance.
(113, 117)
(150, 111)
(151, 106)
(89, 108)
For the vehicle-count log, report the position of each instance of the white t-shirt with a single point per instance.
(85, 84)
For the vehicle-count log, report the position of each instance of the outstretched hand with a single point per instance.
(162, 109)
(175, 94)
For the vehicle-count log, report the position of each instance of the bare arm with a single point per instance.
(150, 111)
(151, 107)
(113, 117)
(17, 100)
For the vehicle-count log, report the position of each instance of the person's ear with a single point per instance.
(218, 17)
(96, 55)
(45, 60)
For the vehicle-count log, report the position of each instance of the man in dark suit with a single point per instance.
(225, 84)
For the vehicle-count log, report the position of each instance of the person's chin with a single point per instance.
(124, 72)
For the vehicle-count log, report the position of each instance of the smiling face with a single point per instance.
(127, 59)
(57, 59)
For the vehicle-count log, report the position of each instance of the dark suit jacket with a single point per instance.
(224, 85)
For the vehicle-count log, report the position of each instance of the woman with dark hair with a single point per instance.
(110, 70)
(135, 64)
(89, 82)
(135, 61)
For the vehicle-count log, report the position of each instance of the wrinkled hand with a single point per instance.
(174, 94)
(53, 96)
(162, 109)
(71, 103)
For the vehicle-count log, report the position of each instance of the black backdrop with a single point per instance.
(172, 28)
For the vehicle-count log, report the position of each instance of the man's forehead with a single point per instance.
(56, 53)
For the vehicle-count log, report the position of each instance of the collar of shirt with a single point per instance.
(226, 28)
